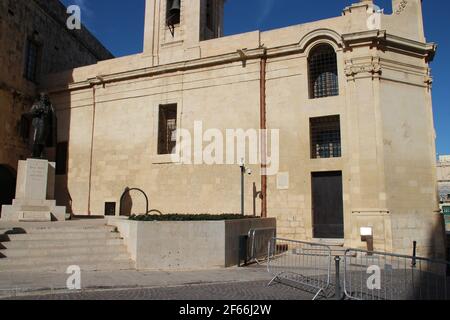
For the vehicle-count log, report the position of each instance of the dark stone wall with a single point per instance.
(45, 22)
(60, 49)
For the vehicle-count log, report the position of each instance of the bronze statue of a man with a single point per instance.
(44, 125)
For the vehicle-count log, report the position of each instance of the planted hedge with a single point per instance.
(188, 217)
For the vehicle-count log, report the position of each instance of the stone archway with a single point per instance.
(7, 185)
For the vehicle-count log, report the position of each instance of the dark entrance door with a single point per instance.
(328, 208)
(7, 185)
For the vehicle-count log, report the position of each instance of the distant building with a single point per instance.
(443, 177)
(34, 41)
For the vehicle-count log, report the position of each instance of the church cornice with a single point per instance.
(375, 38)
(164, 69)
(385, 41)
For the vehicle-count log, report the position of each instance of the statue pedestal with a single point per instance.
(35, 184)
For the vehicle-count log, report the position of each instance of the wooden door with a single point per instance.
(327, 204)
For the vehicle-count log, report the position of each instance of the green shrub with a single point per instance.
(188, 217)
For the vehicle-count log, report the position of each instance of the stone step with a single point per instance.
(62, 267)
(36, 203)
(35, 230)
(35, 208)
(50, 247)
(59, 236)
(43, 244)
(68, 260)
(91, 249)
(35, 216)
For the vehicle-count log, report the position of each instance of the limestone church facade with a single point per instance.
(350, 96)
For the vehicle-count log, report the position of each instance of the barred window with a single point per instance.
(325, 137)
(31, 61)
(323, 74)
(167, 139)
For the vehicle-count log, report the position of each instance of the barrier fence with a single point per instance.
(383, 276)
(362, 275)
(258, 241)
(300, 263)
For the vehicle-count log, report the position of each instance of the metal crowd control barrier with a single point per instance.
(300, 263)
(258, 240)
(383, 276)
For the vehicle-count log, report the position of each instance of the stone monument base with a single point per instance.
(33, 211)
(35, 184)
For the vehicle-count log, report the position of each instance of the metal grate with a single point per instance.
(110, 208)
(323, 75)
(167, 129)
(325, 137)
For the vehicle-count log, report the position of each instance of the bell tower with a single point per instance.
(174, 28)
(211, 19)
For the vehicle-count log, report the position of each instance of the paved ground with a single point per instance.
(255, 290)
(233, 283)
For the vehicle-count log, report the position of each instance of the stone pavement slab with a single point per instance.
(24, 283)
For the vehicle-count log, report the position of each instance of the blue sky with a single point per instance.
(119, 25)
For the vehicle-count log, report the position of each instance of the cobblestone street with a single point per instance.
(219, 284)
(256, 290)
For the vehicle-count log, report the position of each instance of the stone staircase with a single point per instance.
(47, 247)
(336, 246)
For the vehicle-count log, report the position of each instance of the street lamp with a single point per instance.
(244, 171)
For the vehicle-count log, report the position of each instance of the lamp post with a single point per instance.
(244, 170)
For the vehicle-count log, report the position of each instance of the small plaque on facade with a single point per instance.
(283, 181)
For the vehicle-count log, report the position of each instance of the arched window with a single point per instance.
(323, 73)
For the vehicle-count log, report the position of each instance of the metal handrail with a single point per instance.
(134, 189)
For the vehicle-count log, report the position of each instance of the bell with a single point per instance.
(175, 9)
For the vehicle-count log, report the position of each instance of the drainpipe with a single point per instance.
(263, 127)
(92, 150)
(94, 82)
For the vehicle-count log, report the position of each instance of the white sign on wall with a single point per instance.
(283, 181)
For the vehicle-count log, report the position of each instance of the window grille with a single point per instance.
(323, 74)
(167, 139)
(325, 137)
(31, 61)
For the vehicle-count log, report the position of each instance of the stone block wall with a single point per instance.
(43, 21)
